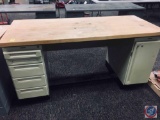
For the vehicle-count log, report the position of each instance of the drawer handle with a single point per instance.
(30, 79)
(23, 60)
(31, 90)
(21, 55)
(26, 67)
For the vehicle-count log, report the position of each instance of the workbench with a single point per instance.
(133, 45)
(41, 11)
(77, 10)
(151, 6)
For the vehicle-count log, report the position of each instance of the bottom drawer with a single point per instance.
(32, 92)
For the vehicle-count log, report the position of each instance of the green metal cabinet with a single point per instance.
(133, 61)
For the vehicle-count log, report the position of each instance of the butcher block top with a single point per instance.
(3, 29)
(52, 31)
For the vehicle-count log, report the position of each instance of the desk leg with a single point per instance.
(92, 14)
(133, 61)
(99, 13)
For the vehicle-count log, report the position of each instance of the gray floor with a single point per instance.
(102, 99)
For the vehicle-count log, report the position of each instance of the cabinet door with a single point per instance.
(141, 62)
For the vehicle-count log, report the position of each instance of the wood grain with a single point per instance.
(3, 29)
(52, 31)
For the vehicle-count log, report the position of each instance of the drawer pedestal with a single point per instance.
(27, 68)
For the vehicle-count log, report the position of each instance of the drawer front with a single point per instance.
(21, 48)
(27, 70)
(24, 61)
(32, 92)
(28, 82)
(22, 54)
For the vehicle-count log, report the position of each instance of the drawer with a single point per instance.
(24, 61)
(27, 70)
(32, 92)
(28, 82)
(21, 48)
(22, 54)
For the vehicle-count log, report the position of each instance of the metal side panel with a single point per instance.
(141, 62)
(119, 56)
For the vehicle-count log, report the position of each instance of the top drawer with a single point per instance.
(22, 54)
(21, 48)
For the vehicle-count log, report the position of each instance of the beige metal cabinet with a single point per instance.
(134, 64)
(27, 68)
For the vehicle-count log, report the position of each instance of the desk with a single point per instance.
(77, 10)
(42, 11)
(133, 45)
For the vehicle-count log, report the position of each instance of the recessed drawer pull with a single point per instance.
(32, 90)
(29, 79)
(21, 71)
(26, 67)
(23, 61)
(22, 54)
(22, 48)
(15, 55)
